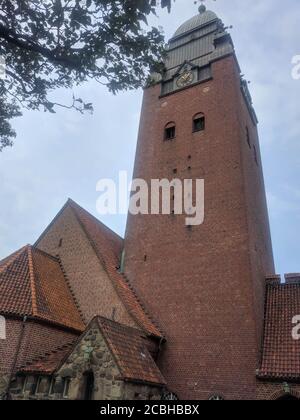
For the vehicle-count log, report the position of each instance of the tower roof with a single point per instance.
(203, 18)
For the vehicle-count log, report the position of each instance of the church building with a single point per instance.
(172, 311)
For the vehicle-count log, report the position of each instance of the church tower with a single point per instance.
(204, 285)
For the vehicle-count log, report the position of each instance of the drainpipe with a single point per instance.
(7, 393)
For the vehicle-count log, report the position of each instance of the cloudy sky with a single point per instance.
(64, 155)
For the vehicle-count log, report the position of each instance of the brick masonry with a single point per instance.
(38, 338)
(276, 390)
(205, 286)
(91, 354)
(88, 280)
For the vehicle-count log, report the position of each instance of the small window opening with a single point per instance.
(248, 137)
(189, 168)
(52, 386)
(174, 171)
(198, 123)
(67, 382)
(89, 382)
(189, 157)
(145, 258)
(170, 131)
(113, 315)
(255, 156)
(60, 243)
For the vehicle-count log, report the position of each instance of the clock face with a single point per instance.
(185, 79)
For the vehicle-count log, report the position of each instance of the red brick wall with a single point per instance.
(203, 285)
(277, 390)
(88, 280)
(37, 340)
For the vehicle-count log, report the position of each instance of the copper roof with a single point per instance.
(281, 352)
(108, 247)
(201, 19)
(33, 284)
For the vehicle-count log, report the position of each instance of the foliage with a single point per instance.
(53, 44)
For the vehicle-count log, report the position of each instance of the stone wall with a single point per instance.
(91, 355)
(3, 385)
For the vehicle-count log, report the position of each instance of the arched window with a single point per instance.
(198, 122)
(170, 131)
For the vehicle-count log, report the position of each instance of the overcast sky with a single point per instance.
(64, 155)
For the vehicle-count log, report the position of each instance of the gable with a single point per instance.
(90, 254)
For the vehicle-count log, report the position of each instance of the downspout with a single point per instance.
(7, 395)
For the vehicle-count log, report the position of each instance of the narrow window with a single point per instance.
(248, 137)
(31, 384)
(60, 243)
(24, 384)
(38, 385)
(89, 382)
(113, 315)
(52, 386)
(67, 382)
(170, 131)
(255, 156)
(43, 385)
(198, 123)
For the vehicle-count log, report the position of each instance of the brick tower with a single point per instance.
(204, 284)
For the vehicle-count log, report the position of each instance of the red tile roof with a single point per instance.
(281, 352)
(48, 364)
(33, 284)
(129, 347)
(108, 247)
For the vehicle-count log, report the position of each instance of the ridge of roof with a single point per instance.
(109, 258)
(32, 282)
(101, 224)
(11, 258)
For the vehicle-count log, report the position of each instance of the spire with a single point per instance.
(202, 7)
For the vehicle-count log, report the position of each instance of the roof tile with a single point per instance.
(33, 284)
(129, 346)
(281, 352)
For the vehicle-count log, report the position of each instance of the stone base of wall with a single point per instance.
(91, 356)
(3, 385)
